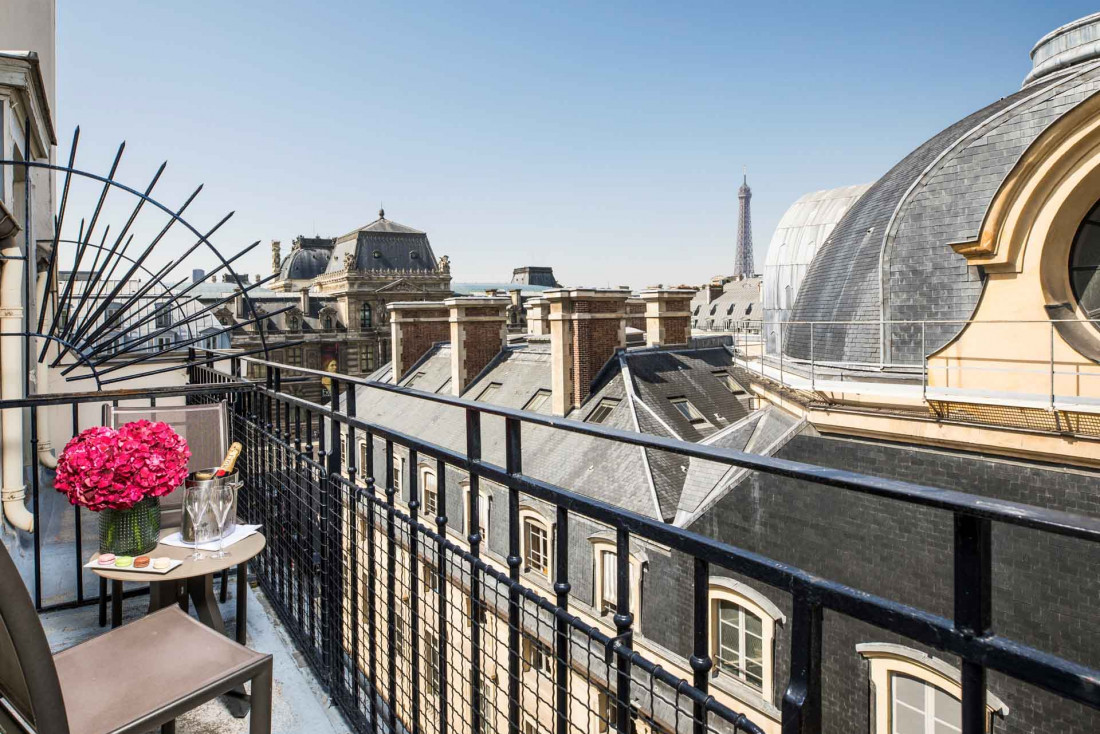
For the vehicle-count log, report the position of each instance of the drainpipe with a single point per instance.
(46, 456)
(14, 490)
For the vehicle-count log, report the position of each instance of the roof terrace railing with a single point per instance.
(347, 569)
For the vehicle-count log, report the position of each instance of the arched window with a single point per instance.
(742, 635)
(535, 537)
(292, 323)
(915, 693)
(1084, 264)
(606, 580)
(429, 492)
(738, 642)
(364, 316)
(327, 323)
(788, 297)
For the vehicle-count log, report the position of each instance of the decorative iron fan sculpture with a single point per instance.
(105, 322)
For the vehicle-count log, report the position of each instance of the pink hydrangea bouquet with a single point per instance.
(108, 469)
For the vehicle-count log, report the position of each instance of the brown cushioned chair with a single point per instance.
(129, 680)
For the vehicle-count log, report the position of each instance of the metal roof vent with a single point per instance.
(1072, 44)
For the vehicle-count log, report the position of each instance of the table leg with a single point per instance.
(201, 591)
(102, 602)
(163, 594)
(242, 603)
(116, 604)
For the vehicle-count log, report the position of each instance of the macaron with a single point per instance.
(106, 559)
(141, 561)
(124, 561)
(162, 562)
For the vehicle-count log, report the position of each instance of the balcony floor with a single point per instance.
(300, 706)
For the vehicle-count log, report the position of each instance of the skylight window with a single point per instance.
(539, 402)
(689, 411)
(602, 410)
(445, 387)
(411, 382)
(731, 384)
(489, 392)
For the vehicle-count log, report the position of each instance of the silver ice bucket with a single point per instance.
(208, 523)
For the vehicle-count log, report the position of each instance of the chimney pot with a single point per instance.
(667, 316)
(414, 327)
(479, 331)
(587, 326)
(538, 316)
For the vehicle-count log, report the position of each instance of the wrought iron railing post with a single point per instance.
(372, 573)
(473, 455)
(561, 628)
(441, 585)
(355, 493)
(513, 459)
(700, 661)
(973, 609)
(391, 591)
(414, 587)
(623, 619)
(801, 710)
(331, 547)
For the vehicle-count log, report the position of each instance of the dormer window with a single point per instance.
(687, 409)
(602, 410)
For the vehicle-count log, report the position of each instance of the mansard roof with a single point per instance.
(383, 245)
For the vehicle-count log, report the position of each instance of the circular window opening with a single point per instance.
(377, 254)
(414, 255)
(1084, 265)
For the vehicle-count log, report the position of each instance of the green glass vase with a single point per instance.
(130, 532)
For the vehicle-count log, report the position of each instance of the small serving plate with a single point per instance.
(93, 564)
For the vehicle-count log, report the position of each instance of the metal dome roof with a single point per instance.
(890, 257)
(307, 261)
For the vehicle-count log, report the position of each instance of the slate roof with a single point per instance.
(739, 300)
(642, 480)
(763, 432)
(659, 375)
(306, 263)
(891, 253)
(384, 245)
(434, 370)
(606, 470)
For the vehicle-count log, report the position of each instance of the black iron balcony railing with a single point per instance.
(413, 629)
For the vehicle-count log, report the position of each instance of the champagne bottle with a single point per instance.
(228, 463)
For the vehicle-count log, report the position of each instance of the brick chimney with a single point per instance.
(414, 327)
(586, 327)
(479, 330)
(538, 316)
(667, 316)
(635, 313)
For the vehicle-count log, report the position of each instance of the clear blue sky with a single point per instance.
(606, 140)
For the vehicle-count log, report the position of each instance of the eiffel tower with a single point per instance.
(742, 265)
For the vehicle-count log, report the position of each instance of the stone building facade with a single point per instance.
(334, 293)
